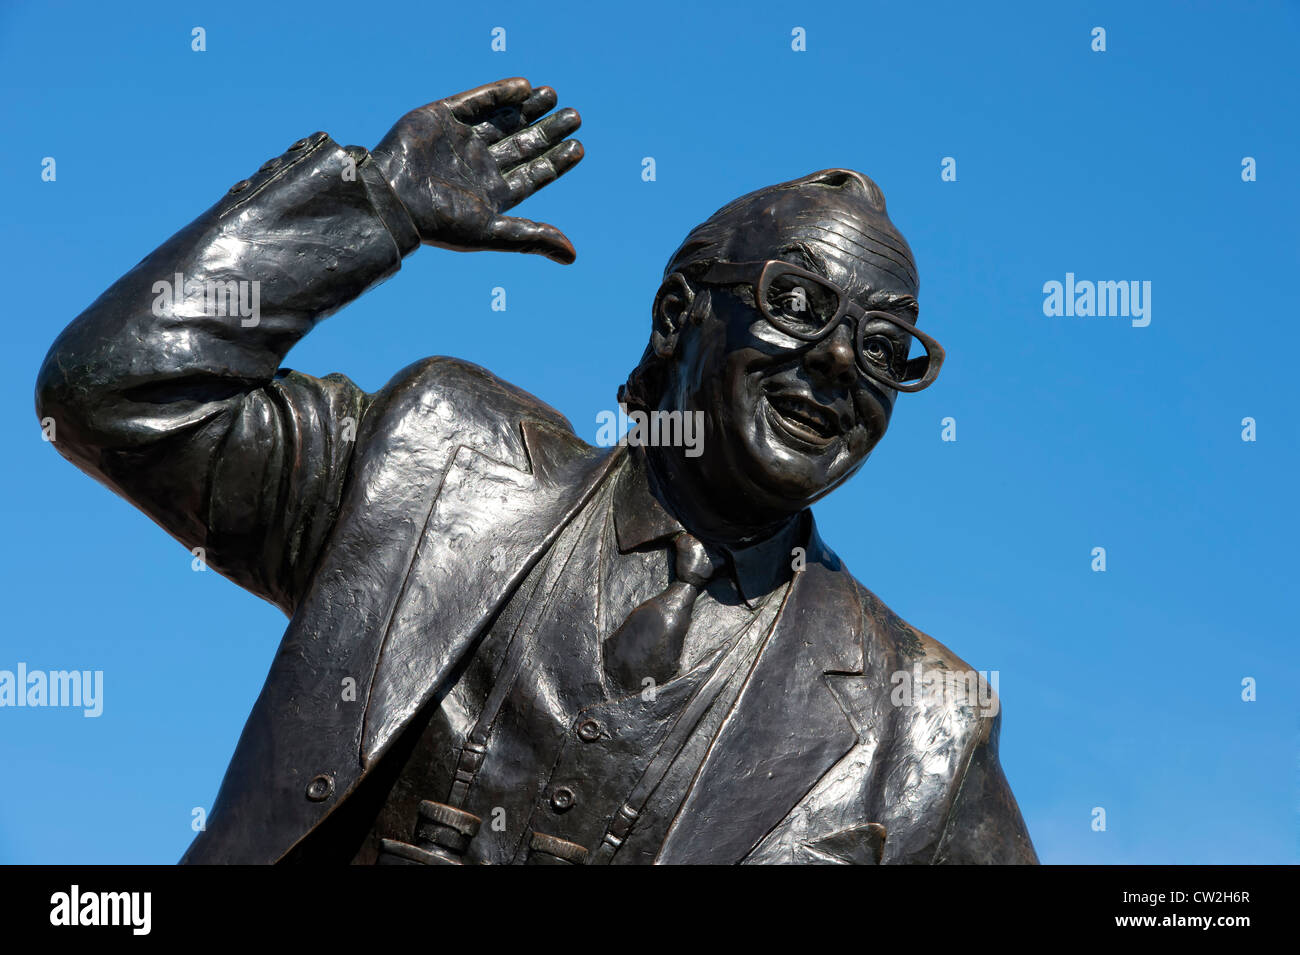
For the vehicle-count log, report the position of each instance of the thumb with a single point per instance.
(511, 234)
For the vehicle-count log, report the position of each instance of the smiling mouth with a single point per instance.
(802, 419)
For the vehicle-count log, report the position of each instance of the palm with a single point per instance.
(458, 163)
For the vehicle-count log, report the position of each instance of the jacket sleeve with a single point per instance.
(168, 388)
(984, 825)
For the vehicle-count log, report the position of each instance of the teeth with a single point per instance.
(803, 412)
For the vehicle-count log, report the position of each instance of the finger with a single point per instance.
(509, 234)
(471, 106)
(541, 102)
(511, 119)
(532, 141)
(524, 180)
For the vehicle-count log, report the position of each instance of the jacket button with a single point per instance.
(298, 144)
(240, 186)
(269, 164)
(589, 731)
(320, 787)
(563, 799)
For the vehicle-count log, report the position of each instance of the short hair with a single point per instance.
(720, 238)
(735, 233)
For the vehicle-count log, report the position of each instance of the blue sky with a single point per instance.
(1120, 689)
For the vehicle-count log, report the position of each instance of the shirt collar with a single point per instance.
(640, 518)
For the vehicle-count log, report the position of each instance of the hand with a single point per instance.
(458, 163)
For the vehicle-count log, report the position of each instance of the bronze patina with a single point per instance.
(506, 645)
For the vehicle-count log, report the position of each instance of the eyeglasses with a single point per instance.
(807, 306)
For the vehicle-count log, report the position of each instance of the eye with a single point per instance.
(879, 351)
(797, 306)
(792, 304)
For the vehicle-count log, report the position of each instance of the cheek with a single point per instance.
(740, 380)
(703, 366)
(873, 416)
(714, 371)
(860, 443)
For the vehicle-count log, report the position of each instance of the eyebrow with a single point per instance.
(880, 299)
(895, 302)
(810, 258)
(899, 303)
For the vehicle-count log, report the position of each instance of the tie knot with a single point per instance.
(695, 565)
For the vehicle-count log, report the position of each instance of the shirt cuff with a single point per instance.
(385, 202)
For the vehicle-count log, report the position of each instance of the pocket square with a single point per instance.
(861, 845)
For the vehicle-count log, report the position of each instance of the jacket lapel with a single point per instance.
(488, 525)
(786, 728)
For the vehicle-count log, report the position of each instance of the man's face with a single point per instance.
(786, 420)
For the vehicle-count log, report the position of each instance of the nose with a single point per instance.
(831, 360)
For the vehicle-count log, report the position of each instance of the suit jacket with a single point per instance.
(391, 527)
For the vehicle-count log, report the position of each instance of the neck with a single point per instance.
(699, 511)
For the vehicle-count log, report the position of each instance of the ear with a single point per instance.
(671, 308)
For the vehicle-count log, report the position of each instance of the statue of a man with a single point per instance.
(506, 645)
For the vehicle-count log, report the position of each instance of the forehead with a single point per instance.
(856, 252)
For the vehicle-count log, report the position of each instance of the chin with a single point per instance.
(791, 466)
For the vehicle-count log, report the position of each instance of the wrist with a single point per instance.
(372, 171)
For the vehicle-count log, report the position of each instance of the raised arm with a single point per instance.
(168, 388)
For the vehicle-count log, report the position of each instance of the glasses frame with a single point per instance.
(768, 270)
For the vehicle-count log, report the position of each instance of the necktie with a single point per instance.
(649, 642)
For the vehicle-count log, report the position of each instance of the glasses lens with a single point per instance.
(799, 305)
(890, 351)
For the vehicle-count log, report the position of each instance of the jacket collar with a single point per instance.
(486, 528)
(641, 519)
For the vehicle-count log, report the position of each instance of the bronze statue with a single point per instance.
(507, 645)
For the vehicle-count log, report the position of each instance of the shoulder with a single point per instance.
(932, 778)
(928, 681)
(439, 403)
(900, 638)
(463, 387)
